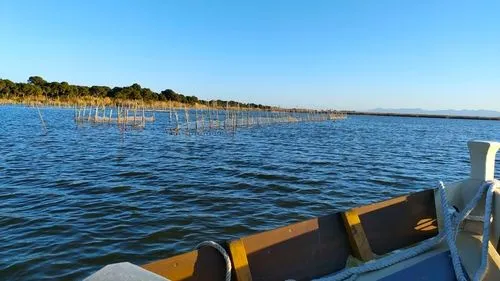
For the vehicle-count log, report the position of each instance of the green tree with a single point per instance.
(36, 80)
(8, 89)
(134, 92)
(82, 91)
(36, 86)
(148, 95)
(99, 91)
(171, 95)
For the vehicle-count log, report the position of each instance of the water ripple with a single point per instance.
(81, 197)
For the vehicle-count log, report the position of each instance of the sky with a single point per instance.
(318, 54)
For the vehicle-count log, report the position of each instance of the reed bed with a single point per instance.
(71, 102)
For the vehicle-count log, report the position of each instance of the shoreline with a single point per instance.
(417, 115)
(157, 106)
(165, 106)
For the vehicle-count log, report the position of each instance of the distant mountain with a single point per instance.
(463, 112)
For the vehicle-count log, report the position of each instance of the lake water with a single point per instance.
(82, 196)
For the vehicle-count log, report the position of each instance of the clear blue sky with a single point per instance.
(325, 54)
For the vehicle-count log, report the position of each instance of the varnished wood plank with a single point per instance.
(180, 267)
(357, 237)
(399, 222)
(240, 261)
(379, 205)
(205, 264)
(314, 247)
(301, 251)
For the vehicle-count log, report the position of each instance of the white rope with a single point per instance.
(449, 230)
(452, 230)
(223, 252)
(452, 220)
(385, 261)
(479, 275)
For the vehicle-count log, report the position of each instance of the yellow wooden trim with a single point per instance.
(240, 261)
(180, 267)
(357, 237)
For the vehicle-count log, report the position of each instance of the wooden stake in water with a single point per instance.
(143, 124)
(217, 116)
(177, 123)
(209, 117)
(226, 116)
(202, 120)
(41, 120)
(186, 118)
(248, 118)
(170, 111)
(196, 118)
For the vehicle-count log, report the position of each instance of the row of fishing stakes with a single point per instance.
(122, 115)
(230, 119)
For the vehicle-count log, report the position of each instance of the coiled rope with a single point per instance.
(452, 220)
(223, 252)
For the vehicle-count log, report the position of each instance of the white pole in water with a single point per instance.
(170, 111)
(217, 115)
(186, 118)
(143, 122)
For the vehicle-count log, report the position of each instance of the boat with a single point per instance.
(450, 232)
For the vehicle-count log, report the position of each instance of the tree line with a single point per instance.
(37, 87)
